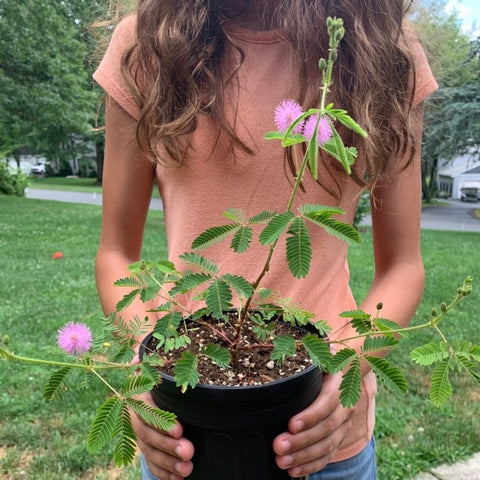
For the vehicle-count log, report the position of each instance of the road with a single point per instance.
(453, 215)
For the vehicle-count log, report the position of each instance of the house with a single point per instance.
(458, 173)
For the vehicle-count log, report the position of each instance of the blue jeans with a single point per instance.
(359, 467)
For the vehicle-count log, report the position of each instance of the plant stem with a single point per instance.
(36, 361)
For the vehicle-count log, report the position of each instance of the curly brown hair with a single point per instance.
(174, 70)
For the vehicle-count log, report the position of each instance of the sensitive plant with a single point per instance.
(255, 308)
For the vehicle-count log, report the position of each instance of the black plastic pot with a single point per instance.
(232, 428)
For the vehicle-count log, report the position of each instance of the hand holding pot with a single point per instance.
(168, 454)
(314, 434)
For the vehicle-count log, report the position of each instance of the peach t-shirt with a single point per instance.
(213, 180)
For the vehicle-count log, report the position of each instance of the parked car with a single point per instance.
(470, 194)
(40, 168)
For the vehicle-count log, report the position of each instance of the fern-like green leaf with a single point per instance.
(196, 260)
(472, 367)
(126, 300)
(221, 356)
(262, 217)
(342, 156)
(391, 376)
(104, 424)
(151, 371)
(237, 215)
(340, 230)
(218, 298)
(275, 227)
(213, 235)
(441, 388)
(186, 373)
(430, 353)
(299, 248)
(384, 324)
(153, 416)
(378, 343)
(355, 314)
(241, 239)
(167, 325)
(132, 282)
(283, 346)
(189, 282)
(312, 154)
(137, 385)
(165, 266)
(51, 389)
(315, 210)
(318, 350)
(345, 119)
(341, 359)
(241, 286)
(351, 384)
(126, 446)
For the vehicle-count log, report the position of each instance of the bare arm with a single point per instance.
(127, 188)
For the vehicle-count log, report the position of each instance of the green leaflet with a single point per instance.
(239, 284)
(318, 350)
(126, 300)
(341, 359)
(133, 282)
(218, 298)
(213, 235)
(194, 259)
(153, 416)
(430, 353)
(441, 388)
(104, 425)
(188, 282)
(168, 324)
(186, 373)
(125, 448)
(54, 383)
(275, 227)
(241, 239)
(355, 314)
(235, 214)
(350, 386)
(345, 119)
(262, 217)
(390, 375)
(299, 249)
(283, 346)
(137, 385)
(340, 230)
(378, 343)
(221, 356)
(314, 210)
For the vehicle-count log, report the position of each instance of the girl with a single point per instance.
(192, 86)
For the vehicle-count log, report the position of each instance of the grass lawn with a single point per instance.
(40, 441)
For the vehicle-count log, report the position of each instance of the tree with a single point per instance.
(43, 98)
(452, 115)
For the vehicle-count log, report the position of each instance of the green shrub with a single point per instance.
(12, 182)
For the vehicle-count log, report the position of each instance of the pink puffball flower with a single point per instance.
(285, 113)
(324, 130)
(75, 338)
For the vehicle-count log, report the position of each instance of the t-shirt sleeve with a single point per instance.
(425, 83)
(109, 75)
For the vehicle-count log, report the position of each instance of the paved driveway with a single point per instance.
(454, 215)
